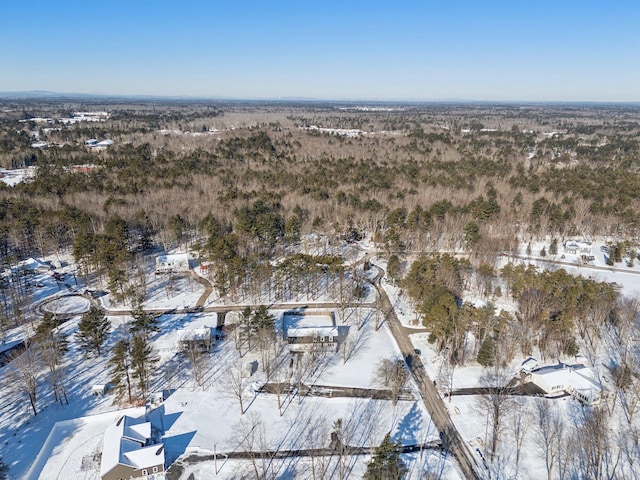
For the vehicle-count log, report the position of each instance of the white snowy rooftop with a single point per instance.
(172, 258)
(319, 319)
(313, 332)
(194, 334)
(581, 378)
(124, 445)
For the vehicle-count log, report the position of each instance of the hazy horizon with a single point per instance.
(467, 51)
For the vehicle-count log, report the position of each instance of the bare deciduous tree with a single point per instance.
(234, 384)
(24, 374)
(392, 374)
(549, 433)
(519, 423)
(495, 403)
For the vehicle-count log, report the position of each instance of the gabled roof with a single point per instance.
(124, 444)
(194, 334)
(313, 332)
(172, 258)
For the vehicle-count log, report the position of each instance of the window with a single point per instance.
(155, 469)
(145, 472)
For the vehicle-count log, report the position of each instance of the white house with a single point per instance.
(172, 263)
(574, 248)
(37, 265)
(576, 380)
(128, 453)
(305, 339)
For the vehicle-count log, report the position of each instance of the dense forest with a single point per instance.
(449, 196)
(240, 183)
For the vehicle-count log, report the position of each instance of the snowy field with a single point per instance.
(198, 416)
(202, 416)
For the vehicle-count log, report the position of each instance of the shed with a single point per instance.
(100, 389)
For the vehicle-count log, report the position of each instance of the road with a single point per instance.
(575, 264)
(451, 438)
(435, 406)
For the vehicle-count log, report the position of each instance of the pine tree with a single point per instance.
(120, 364)
(486, 352)
(553, 248)
(143, 361)
(144, 322)
(386, 463)
(262, 319)
(93, 330)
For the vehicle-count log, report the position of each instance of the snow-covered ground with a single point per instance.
(16, 176)
(467, 412)
(202, 417)
(199, 416)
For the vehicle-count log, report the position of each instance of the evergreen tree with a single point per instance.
(143, 361)
(46, 337)
(262, 320)
(553, 248)
(92, 330)
(394, 268)
(471, 234)
(486, 352)
(386, 463)
(120, 364)
(144, 322)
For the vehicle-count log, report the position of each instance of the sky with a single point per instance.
(501, 50)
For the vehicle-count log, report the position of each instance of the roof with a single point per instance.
(172, 258)
(195, 334)
(581, 378)
(313, 332)
(124, 444)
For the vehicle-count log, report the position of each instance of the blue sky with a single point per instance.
(536, 50)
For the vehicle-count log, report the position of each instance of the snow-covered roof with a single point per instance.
(36, 264)
(308, 319)
(172, 258)
(146, 456)
(529, 364)
(124, 444)
(194, 334)
(578, 377)
(313, 332)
